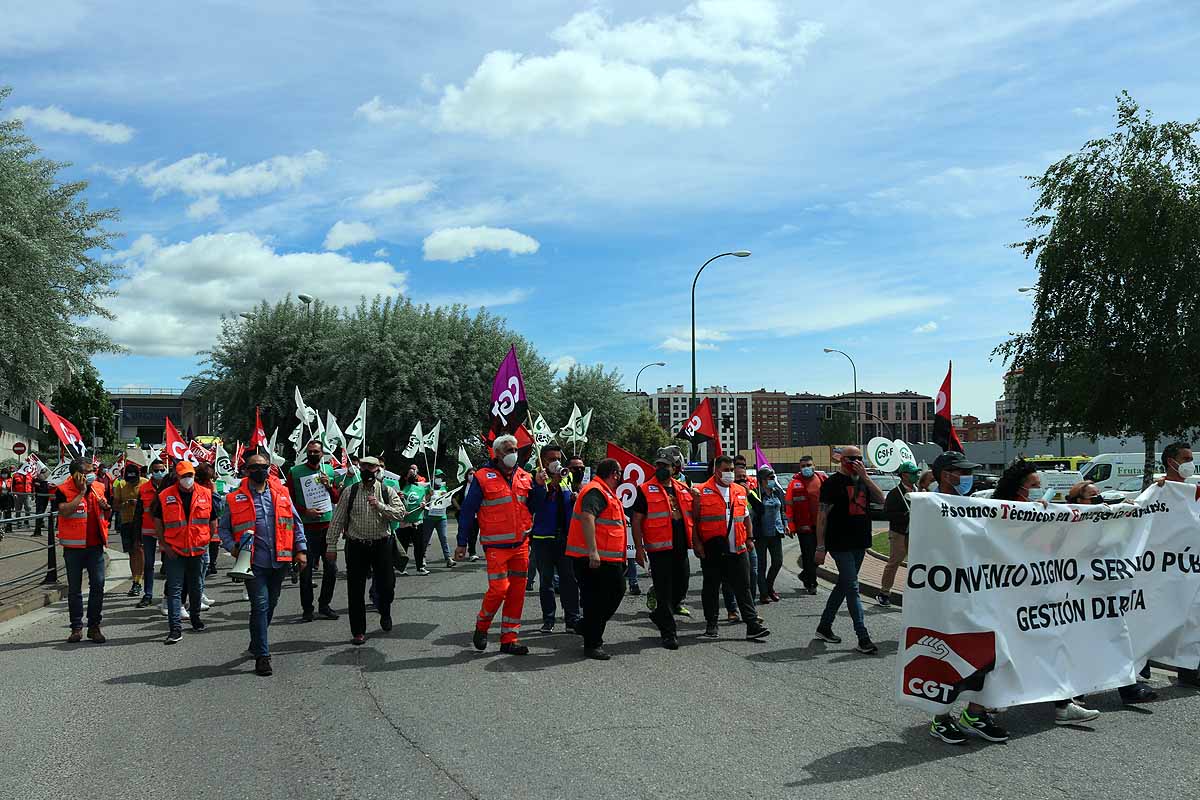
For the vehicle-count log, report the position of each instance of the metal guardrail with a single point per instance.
(50, 572)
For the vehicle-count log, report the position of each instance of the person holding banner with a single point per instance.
(311, 485)
(83, 509)
(501, 502)
(803, 500)
(435, 518)
(896, 509)
(722, 517)
(844, 532)
(662, 534)
(1180, 465)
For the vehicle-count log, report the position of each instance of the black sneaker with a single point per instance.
(479, 640)
(547, 627)
(198, 625)
(596, 653)
(174, 636)
(514, 649)
(1137, 693)
(711, 631)
(982, 726)
(827, 635)
(811, 589)
(670, 643)
(883, 600)
(635, 589)
(1188, 677)
(308, 615)
(134, 591)
(757, 633)
(867, 647)
(262, 666)
(325, 612)
(385, 624)
(145, 602)
(944, 728)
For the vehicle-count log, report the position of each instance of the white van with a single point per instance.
(1112, 470)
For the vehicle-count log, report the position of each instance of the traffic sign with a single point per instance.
(19, 448)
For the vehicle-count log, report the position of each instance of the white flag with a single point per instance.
(59, 473)
(276, 459)
(224, 464)
(358, 428)
(297, 438)
(464, 463)
(333, 437)
(577, 431)
(542, 435)
(305, 414)
(430, 440)
(416, 441)
(568, 430)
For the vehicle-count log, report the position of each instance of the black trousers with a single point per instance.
(600, 593)
(717, 566)
(362, 559)
(808, 559)
(670, 570)
(317, 536)
(410, 536)
(766, 577)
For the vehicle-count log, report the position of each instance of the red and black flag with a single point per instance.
(943, 427)
(700, 427)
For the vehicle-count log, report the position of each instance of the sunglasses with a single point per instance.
(852, 458)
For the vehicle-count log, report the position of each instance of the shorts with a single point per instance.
(131, 537)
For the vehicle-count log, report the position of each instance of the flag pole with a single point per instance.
(362, 447)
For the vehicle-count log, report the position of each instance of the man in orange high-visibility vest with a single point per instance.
(596, 541)
(83, 508)
(501, 502)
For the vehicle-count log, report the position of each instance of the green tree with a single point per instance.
(590, 387)
(643, 436)
(839, 429)
(1117, 247)
(50, 281)
(82, 399)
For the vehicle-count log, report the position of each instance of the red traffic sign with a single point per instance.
(19, 448)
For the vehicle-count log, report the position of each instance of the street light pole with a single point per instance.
(735, 253)
(854, 372)
(643, 369)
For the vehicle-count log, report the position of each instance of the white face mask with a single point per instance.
(1187, 469)
(554, 467)
(509, 460)
(726, 478)
(90, 478)
(187, 482)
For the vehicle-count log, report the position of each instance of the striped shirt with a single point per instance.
(362, 522)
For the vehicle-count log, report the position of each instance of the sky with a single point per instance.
(569, 166)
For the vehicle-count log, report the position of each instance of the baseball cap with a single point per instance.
(671, 454)
(952, 460)
(369, 461)
(185, 468)
(909, 466)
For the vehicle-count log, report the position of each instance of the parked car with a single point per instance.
(886, 482)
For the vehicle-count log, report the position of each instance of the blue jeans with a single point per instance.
(264, 594)
(204, 569)
(149, 548)
(730, 599)
(848, 563)
(555, 568)
(183, 570)
(77, 559)
(437, 524)
(631, 573)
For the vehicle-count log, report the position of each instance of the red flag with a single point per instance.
(67, 433)
(201, 453)
(259, 437)
(524, 442)
(943, 427)
(239, 458)
(177, 449)
(700, 426)
(634, 473)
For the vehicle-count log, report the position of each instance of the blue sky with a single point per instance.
(570, 165)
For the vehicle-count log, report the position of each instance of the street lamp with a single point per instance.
(854, 371)
(1025, 289)
(643, 369)
(307, 299)
(735, 253)
(246, 315)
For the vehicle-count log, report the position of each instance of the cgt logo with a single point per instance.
(941, 666)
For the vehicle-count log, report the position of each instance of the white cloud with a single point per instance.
(381, 199)
(224, 274)
(381, 253)
(681, 341)
(711, 53)
(347, 234)
(928, 327)
(456, 244)
(53, 118)
(480, 299)
(563, 364)
(205, 174)
(204, 207)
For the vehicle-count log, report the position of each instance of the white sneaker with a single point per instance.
(1073, 714)
(245, 595)
(422, 571)
(403, 573)
(165, 613)
(474, 558)
(205, 603)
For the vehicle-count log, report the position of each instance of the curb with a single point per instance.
(830, 576)
(117, 578)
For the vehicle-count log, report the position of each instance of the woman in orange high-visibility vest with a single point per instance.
(83, 509)
(724, 532)
(187, 525)
(596, 541)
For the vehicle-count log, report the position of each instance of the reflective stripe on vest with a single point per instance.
(658, 527)
(503, 517)
(72, 527)
(243, 516)
(610, 526)
(713, 509)
(187, 536)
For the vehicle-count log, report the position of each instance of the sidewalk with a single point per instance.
(869, 577)
(28, 570)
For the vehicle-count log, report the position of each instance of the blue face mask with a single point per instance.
(965, 482)
(807, 472)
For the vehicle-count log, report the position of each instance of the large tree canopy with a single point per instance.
(49, 278)
(1112, 350)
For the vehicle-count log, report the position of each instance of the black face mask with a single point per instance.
(313, 458)
(577, 473)
(412, 480)
(131, 476)
(368, 475)
(258, 474)
(662, 473)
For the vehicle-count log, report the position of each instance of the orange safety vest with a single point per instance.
(187, 535)
(713, 522)
(503, 517)
(658, 532)
(610, 526)
(147, 493)
(801, 500)
(72, 528)
(242, 516)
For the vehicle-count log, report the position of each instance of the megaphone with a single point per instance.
(241, 571)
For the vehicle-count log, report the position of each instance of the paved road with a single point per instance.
(420, 714)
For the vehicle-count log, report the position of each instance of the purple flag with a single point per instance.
(760, 460)
(509, 405)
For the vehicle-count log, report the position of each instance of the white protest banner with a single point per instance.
(1009, 603)
(416, 441)
(316, 496)
(442, 499)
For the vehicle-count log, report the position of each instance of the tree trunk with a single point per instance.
(1148, 468)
